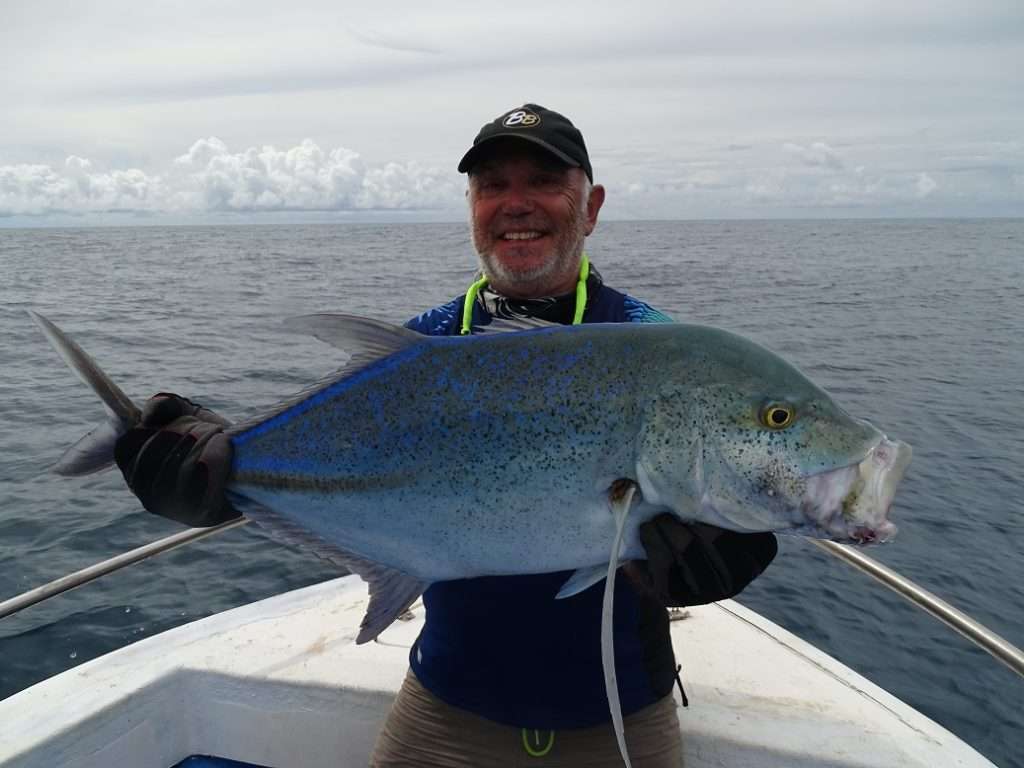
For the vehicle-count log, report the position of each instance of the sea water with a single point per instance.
(917, 326)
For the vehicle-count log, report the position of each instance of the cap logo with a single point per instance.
(521, 118)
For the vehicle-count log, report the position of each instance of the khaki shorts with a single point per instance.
(424, 731)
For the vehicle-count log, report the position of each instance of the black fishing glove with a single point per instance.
(177, 461)
(693, 564)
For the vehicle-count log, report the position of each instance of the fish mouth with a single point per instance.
(852, 503)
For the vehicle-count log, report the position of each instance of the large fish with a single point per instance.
(427, 459)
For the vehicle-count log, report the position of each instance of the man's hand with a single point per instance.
(177, 461)
(693, 564)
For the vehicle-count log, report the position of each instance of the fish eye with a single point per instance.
(777, 415)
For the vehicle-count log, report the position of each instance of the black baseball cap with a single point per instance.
(543, 127)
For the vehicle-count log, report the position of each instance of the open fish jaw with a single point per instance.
(853, 502)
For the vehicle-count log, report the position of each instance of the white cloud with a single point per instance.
(925, 185)
(819, 154)
(40, 189)
(209, 177)
(785, 106)
(793, 176)
(869, 176)
(412, 185)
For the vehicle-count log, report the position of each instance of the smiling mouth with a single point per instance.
(529, 234)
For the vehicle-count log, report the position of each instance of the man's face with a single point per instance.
(530, 214)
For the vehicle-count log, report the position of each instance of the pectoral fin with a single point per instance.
(581, 579)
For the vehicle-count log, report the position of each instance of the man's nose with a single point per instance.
(518, 201)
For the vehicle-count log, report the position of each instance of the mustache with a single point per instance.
(520, 225)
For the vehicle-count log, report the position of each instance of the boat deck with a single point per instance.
(282, 683)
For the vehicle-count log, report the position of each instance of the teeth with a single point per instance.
(521, 235)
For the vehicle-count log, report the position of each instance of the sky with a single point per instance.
(184, 112)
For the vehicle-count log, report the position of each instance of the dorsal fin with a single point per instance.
(366, 340)
(356, 335)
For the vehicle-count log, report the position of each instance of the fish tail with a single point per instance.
(95, 451)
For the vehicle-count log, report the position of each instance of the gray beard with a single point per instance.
(568, 250)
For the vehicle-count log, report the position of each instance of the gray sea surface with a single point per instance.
(915, 325)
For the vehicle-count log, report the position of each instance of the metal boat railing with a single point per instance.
(981, 636)
(84, 576)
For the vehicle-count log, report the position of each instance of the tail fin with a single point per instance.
(95, 451)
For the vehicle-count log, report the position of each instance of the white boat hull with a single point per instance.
(282, 683)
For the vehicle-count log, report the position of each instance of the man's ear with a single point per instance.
(594, 203)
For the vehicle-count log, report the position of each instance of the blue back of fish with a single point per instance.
(457, 457)
(480, 445)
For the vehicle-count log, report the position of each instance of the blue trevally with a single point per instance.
(432, 458)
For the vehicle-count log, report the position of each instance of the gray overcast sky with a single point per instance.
(188, 110)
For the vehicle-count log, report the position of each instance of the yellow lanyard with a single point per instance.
(577, 317)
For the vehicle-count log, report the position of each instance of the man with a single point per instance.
(502, 673)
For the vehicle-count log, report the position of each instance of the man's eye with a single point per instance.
(547, 180)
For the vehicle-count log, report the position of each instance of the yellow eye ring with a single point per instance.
(777, 416)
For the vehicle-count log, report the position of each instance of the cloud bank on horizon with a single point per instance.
(689, 110)
(787, 178)
(209, 178)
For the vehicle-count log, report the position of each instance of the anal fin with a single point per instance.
(391, 590)
(391, 594)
